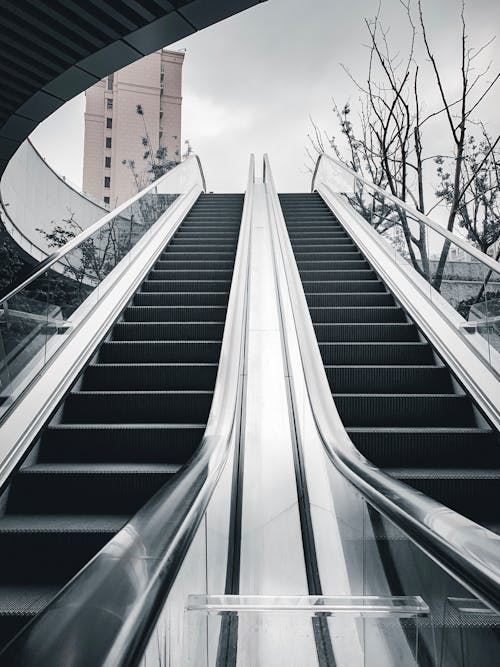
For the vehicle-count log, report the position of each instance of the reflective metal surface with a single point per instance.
(107, 613)
(272, 558)
(470, 553)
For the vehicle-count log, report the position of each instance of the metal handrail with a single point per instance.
(106, 614)
(466, 550)
(482, 257)
(56, 256)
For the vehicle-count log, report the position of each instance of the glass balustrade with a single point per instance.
(36, 320)
(449, 268)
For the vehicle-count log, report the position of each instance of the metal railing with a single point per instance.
(467, 551)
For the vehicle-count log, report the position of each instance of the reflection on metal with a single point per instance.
(440, 532)
(272, 557)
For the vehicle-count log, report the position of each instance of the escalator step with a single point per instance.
(416, 447)
(340, 286)
(114, 443)
(337, 274)
(404, 410)
(159, 352)
(19, 604)
(473, 492)
(349, 299)
(396, 379)
(320, 265)
(181, 298)
(186, 286)
(366, 314)
(137, 406)
(189, 274)
(49, 549)
(116, 488)
(172, 263)
(135, 377)
(175, 314)
(376, 354)
(360, 332)
(188, 331)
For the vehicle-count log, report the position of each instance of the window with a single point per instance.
(107, 181)
(107, 162)
(109, 123)
(108, 142)
(109, 103)
(161, 135)
(106, 200)
(161, 114)
(110, 81)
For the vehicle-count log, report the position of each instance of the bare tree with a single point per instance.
(388, 146)
(458, 113)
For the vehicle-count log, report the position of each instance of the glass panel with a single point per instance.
(382, 561)
(37, 320)
(280, 630)
(447, 270)
(203, 570)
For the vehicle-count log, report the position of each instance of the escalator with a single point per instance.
(132, 420)
(399, 403)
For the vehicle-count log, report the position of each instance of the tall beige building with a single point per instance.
(114, 129)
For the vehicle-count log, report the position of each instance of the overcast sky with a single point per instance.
(251, 82)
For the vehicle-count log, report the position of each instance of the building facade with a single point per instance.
(114, 129)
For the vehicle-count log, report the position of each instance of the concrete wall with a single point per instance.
(33, 195)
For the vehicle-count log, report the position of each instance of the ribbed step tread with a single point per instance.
(355, 264)
(191, 274)
(349, 299)
(102, 488)
(171, 263)
(186, 331)
(417, 447)
(473, 492)
(338, 274)
(185, 299)
(21, 603)
(404, 410)
(376, 354)
(121, 442)
(137, 406)
(339, 286)
(358, 314)
(177, 313)
(153, 376)
(145, 351)
(361, 332)
(393, 379)
(186, 286)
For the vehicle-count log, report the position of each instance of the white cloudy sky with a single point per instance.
(251, 82)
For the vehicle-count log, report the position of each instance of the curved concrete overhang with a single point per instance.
(51, 50)
(33, 196)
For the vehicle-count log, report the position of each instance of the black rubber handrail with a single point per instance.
(106, 614)
(467, 551)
